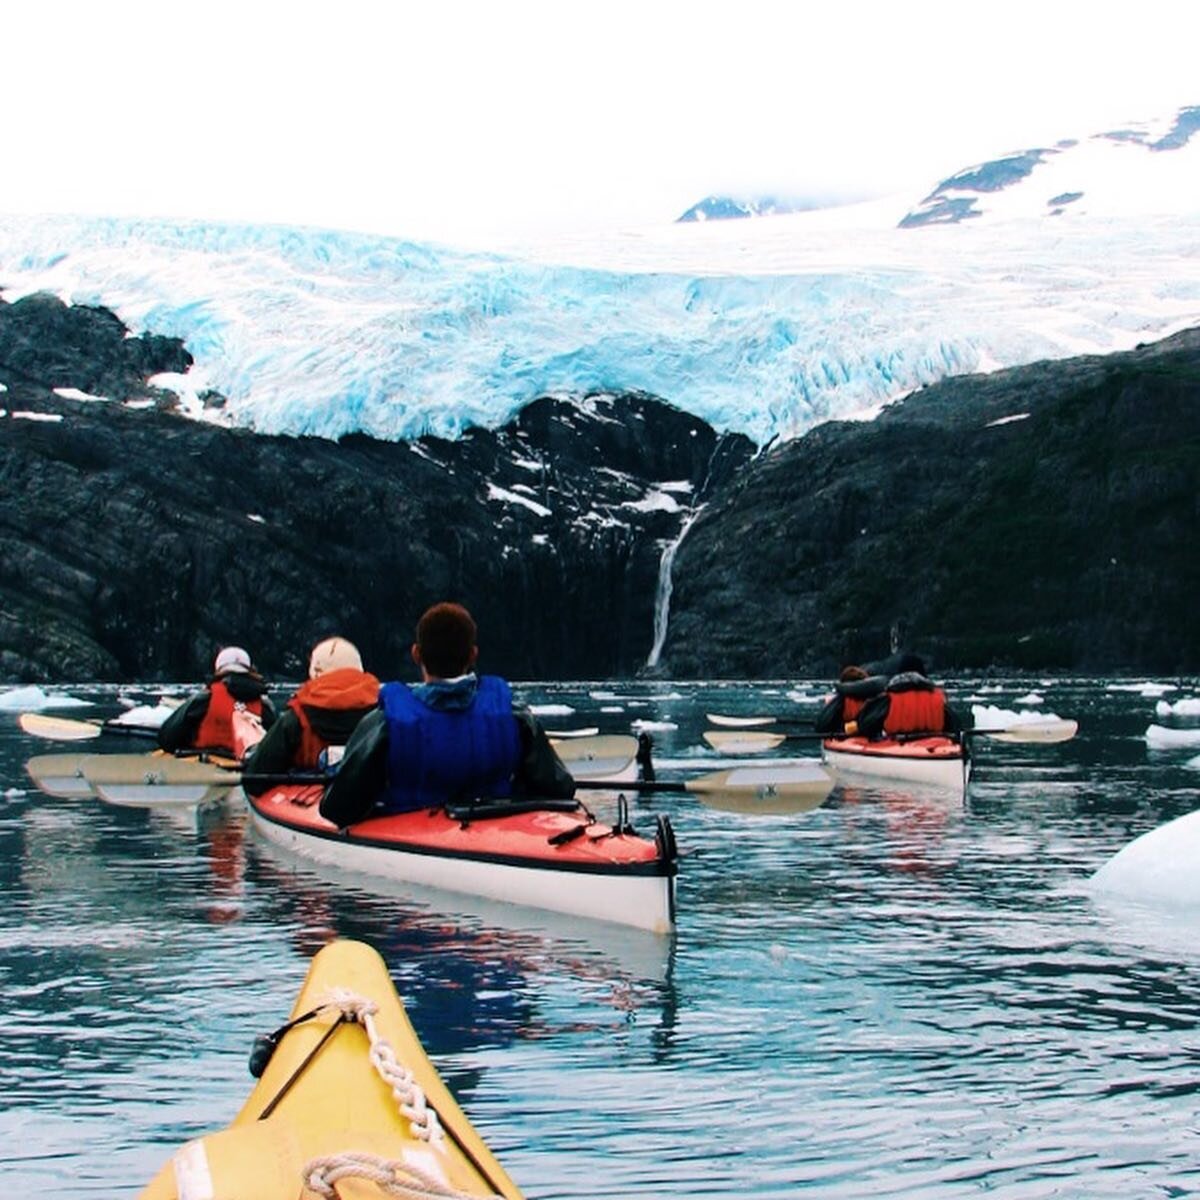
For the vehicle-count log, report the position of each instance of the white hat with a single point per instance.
(232, 658)
(333, 654)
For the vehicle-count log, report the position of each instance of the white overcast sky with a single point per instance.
(465, 121)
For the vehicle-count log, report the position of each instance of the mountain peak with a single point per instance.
(1099, 174)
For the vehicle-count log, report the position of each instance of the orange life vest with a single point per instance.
(915, 711)
(340, 689)
(216, 730)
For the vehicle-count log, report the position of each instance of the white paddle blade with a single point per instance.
(743, 743)
(158, 795)
(59, 775)
(612, 757)
(61, 729)
(155, 771)
(557, 734)
(1035, 731)
(738, 722)
(768, 791)
(765, 781)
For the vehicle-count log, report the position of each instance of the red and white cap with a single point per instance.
(232, 659)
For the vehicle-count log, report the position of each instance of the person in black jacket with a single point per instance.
(205, 722)
(395, 751)
(319, 717)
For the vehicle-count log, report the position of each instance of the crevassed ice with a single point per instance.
(766, 330)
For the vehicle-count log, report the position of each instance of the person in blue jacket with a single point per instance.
(453, 737)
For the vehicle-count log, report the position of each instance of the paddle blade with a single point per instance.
(766, 790)
(156, 780)
(743, 743)
(738, 722)
(138, 795)
(610, 757)
(61, 729)
(155, 770)
(556, 735)
(59, 775)
(1035, 731)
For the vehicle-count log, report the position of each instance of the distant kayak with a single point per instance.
(939, 762)
(545, 854)
(347, 1096)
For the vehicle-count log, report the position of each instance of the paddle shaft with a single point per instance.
(640, 785)
(282, 779)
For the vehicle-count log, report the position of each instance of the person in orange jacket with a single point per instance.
(321, 715)
(205, 722)
(911, 703)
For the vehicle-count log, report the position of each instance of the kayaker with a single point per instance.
(911, 703)
(852, 690)
(453, 736)
(205, 722)
(322, 714)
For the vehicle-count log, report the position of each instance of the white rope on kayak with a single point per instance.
(391, 1176)
(410, 1099)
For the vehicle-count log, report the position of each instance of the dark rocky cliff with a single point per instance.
(1065, 539)
(134, 542)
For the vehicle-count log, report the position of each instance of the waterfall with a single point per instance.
(662, 601)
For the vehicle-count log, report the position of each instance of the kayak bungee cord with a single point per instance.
(394, 1177)
(287, 1087)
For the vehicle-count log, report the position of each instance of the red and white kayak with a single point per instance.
(938, 762)
(548, 854)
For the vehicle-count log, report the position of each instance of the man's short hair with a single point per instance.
(446, 637)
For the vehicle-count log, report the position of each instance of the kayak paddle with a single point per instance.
(754, 742)
(136, 777)
(63, 729)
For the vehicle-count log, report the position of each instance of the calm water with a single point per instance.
(895, 995)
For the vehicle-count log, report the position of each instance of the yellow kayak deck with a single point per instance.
(336, 1104)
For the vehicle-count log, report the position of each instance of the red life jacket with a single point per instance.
(851, 707)
(916, 710)
(344, 688)
(216, 730)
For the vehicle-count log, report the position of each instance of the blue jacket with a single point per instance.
(448, 742)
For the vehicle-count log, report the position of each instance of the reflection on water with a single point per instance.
(896, 994)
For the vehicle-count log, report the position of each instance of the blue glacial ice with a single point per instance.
(767, 332)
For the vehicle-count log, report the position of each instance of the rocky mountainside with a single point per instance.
(133, 542)
(1038, 518)
(1042, 517)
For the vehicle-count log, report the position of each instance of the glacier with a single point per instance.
(765, 327)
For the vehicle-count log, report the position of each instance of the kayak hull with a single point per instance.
(545, 859)
(934, 762)
(338, 1103)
